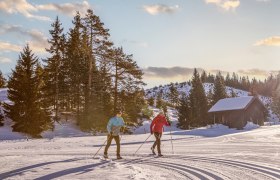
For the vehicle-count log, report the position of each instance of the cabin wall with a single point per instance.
(232, 119)
(255, 113)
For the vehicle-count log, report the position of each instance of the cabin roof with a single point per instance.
(229, 104)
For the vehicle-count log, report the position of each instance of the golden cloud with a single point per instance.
(225, 4)
(271, 41)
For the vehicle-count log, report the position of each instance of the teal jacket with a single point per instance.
(114, 125)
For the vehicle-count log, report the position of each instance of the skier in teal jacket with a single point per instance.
(114, 127)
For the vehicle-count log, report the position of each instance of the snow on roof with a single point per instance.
(229, 104)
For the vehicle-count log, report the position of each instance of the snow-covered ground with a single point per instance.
(207, 153)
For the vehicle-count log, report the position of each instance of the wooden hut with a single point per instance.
(236, 112)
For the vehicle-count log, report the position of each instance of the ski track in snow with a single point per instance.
(245, 155)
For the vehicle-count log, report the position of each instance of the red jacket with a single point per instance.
(158, 122)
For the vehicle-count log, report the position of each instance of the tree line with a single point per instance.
(193, 108)
(85, 75)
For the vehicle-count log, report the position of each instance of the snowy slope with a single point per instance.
(185, 88)
(224, 154)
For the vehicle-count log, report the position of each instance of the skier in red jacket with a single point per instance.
(156, 128)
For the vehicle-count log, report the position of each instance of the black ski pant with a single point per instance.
(109, 140)
(157, 142)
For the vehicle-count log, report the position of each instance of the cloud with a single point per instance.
(168, 72)
(67, 8)
(7, 47)
(21, 7)
(37, 40)
(225, 4)
(160, 8)
(271, 41)
(5, 60)
(254, 72)
(175, 72)
(28, 10)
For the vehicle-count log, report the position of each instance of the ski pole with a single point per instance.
(101, 146)
(142, 144)
(171, 141)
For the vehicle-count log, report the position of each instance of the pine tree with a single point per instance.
(173, 95)
(198, 102)
(1, 115)
(27, 111)
(159, 101)
(219, 89)
(77, 65)
(133, 102)
(1, 119)
(54, 64)
(276, 97)
(276, 103)
(183, 112)
(203, 76)
(151, 101)
(253, 88)
(126, 75)
(98, 105)
(232, 93)
(2, 80)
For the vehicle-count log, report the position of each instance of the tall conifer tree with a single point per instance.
(183, 112)
(2, 80)
(54, 65)
(219, 89)
(27, 110)
(198, 102)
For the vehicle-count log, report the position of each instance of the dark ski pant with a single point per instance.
(157, 142)
(109, 140)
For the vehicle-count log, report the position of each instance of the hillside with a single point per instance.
(185, 88)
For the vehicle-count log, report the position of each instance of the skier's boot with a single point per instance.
(153, 150)
(119, 157)
(105, 156)
(160, 155)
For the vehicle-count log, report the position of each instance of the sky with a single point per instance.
(168, 38)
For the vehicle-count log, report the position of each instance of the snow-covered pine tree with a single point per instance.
(198, 102)
(2, 80)
(183, 112)
(219, 91)
(27, 111)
